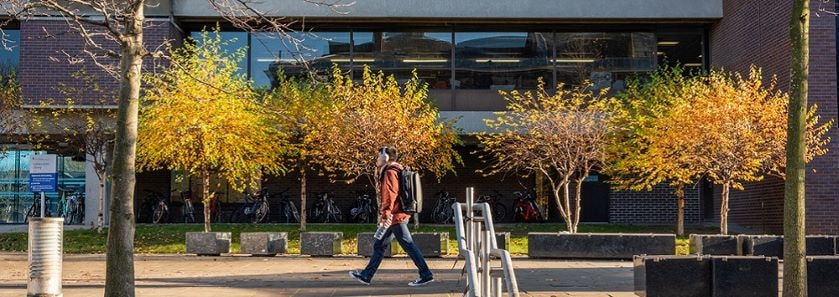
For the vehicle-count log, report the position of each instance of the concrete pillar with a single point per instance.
(91, 189)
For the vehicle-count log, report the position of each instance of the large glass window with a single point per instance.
(233, 41)
(399, 53)
(316, 51)
(502, 60)
(15, 198)
(10, 49)
(684, 48)
(605, 59)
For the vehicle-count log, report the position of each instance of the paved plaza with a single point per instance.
(234, 276)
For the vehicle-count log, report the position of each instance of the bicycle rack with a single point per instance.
(477, 244)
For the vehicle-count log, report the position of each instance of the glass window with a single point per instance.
(684, 48)
(234, 41)
(316, 51)
(15, 198)
(10, 49)
(502, 60)
(605, 59)
(399, 53)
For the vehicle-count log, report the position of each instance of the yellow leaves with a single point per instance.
(720, 125)
(201, 115)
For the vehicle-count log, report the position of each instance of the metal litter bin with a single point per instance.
(46, 236)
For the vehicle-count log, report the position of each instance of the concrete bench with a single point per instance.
(598, 245)
(263, 243)
(672, 276)
(773, 245)
(503, 240)
(365, 245)
(321, 243)
(208, 243)
(744, 276)
(703, 244)
(432, 244)
(821, 276)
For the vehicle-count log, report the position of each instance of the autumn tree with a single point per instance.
(562, 135)
(85, 126)
(10, 103)
(381, 112)
(300, 107)
(202, 117)
(640, 154)
(738, 122)
(114, 41)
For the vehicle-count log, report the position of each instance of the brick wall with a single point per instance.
(654, 207)
(44, 64)
(756, 32)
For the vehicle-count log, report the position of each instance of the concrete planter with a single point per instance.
(503, 240)
(821, 245)
(208, 243)
(725, 245)
(762, 245)
(598, 246)
(672, 276)
(321, 243)
(263, 243)
(744, 276)
(433, 244)
(773, 245)
(821, 276)
(365, 245)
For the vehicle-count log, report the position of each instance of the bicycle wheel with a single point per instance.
(499, 212)
(159, 215)
(260, 213)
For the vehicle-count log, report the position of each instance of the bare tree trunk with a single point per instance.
(119, 274)
(566, 196)
(302, 198)
(205, 177)
(795, 264)
(726, 187)
(680, 209)
(577, 203)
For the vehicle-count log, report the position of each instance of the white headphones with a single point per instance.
(384, 155)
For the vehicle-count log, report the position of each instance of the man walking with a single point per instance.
(390, 209)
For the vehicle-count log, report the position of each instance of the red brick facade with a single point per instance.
(756, 32)
(44, 64)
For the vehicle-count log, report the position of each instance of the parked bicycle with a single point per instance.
(499, 210)
(255, 210)
(365, 210)
(70, 206)
(324, 210)
(526, 209)
(288, 210)
(187, 211)
(35, 210)
(443, 212)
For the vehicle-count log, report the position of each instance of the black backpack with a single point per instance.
(410, 190)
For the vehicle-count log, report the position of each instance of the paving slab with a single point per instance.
(235, 276)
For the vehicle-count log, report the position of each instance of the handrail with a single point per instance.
(468, 240)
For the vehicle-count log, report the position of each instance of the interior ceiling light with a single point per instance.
(668, 43)
(497, 60)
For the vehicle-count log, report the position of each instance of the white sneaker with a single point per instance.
(419, 282)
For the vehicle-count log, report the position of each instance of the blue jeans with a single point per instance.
(403, 236)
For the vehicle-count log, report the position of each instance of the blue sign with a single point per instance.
(43, 182)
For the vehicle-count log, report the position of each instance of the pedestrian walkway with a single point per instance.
(180, 275)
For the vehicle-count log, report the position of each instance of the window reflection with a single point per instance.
(303, 51)
(15, 197)
(605, 59)
(10, 49)
(502, 60)
(233, 41)
(684, 48)
(399, 53)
